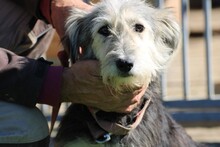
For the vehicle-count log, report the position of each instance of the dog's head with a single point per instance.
(132, 40)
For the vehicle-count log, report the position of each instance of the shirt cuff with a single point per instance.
(50, 92)
(45, 8)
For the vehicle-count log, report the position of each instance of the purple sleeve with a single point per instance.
(50, 91)
(22, 79)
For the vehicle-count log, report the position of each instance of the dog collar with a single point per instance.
(101, 130)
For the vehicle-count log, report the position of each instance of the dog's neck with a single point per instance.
(116, 123)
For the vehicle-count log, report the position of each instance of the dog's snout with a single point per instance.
(124, 66)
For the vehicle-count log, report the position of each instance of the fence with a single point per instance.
(204, 110)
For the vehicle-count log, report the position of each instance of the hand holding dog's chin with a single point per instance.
(82, 84)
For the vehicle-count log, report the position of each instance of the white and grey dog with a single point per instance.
(133, 43)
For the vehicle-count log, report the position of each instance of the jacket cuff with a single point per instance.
(45, 8)
(50, 92)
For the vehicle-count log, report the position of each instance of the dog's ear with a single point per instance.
(167, 29)
(73, 30)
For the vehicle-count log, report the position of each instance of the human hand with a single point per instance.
(60, 10)
(82, 84)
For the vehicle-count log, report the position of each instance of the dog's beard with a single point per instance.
(133, 80)
(125, 84)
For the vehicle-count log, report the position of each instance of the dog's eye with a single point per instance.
(139, 28)
(104, 31)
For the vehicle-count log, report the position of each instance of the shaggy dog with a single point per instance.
(133, 43)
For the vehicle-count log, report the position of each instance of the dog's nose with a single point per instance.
(124, 66)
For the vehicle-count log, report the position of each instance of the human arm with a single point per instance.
(21, 78)
(56, 12)
(27, 82)
(44, 85)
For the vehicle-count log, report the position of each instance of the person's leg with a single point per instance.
(42, 143)
(22, 126)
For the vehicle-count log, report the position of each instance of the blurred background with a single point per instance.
(191, 85)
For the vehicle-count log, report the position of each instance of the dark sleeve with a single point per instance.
(21, 78)
(33, 7)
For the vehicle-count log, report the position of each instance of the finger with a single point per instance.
(130, 104)
(126, 109)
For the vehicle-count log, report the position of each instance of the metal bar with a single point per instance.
(158, 3)
(185, 49)
(163, 85)
(208, 38)
(193, 104)
(199, 117)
